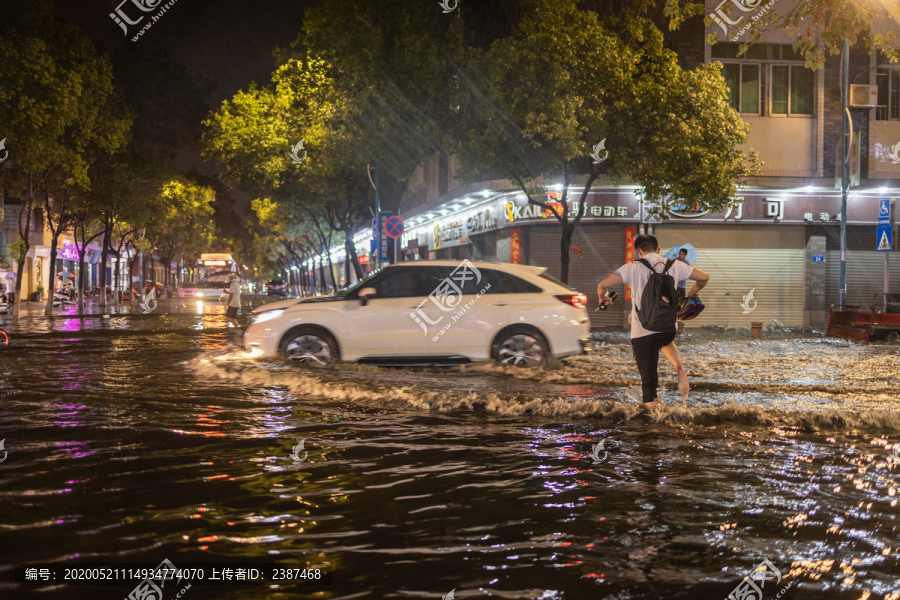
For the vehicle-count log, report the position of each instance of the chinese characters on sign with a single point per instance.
(629, 256)
(515, 247)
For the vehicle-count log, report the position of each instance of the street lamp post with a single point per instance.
(845, 171)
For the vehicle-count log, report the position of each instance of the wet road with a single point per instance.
(138, 439)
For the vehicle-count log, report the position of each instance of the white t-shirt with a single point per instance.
(682, 283)
(235, 290)
(10, 285)
(636, 275)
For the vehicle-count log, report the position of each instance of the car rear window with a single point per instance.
(549, 277)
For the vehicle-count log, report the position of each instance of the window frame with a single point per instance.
(765, 80)
(892, 72)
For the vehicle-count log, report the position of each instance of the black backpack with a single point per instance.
(658, 309)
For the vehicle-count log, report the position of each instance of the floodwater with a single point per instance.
(138, 439)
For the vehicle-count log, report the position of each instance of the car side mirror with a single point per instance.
(365, 294)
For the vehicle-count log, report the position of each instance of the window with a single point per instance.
(404, 282)
(760, 83)
(505, 283)
(888, 82)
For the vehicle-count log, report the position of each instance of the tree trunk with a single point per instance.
(104, 256)
(28, 208)
(81, 254)
(117, 277)
(48, 308)
(350, 251)
(564, 256)
(20, 272)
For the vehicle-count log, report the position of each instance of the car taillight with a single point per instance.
(576, 300)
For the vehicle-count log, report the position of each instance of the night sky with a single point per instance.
(229, 42)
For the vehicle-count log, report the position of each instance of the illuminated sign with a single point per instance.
(363, 260)
(214, 263)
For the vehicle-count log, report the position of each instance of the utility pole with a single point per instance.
(845, 171)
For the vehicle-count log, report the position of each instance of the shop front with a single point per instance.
(772, 257)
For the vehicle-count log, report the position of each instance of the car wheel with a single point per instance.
(311, 347)
(521, 347)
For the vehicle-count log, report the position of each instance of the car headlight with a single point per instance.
(266, 315)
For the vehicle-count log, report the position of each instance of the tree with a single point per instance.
(182, 221)
(534, 106)
(55, 97)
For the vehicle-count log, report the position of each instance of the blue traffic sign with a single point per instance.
(884, 238)
(394, 227)
(884, 211)
(818, 258)
(383, 247)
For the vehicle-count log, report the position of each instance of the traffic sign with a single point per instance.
(884, 211)
(393, 227)
(818, 258)
(383, 255)
(884, 238)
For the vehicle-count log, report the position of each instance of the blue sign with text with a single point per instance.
(818, 258)
(383, 240)
(884, 211)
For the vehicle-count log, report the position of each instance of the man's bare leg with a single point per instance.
(671, 353)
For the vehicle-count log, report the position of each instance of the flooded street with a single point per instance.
(138, 439)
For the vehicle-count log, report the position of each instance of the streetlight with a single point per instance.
(845, 171)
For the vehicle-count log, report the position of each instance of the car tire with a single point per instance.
(521, 347)
(311, 347)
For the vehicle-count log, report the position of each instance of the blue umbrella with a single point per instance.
(691, 253)
(65, 274)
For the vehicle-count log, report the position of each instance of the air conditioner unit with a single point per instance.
(864, 95)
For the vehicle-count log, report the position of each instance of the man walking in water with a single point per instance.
(234, 299)
(648, 344)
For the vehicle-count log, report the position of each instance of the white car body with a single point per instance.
(461, 320)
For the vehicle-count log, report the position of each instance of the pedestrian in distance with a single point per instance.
(233, 302)
(682, 283)
(654, 311)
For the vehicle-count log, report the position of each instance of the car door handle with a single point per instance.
(501, 304)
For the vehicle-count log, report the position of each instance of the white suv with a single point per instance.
(430, 311)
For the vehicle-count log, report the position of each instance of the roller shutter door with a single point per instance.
(767, 260)
(865, 275)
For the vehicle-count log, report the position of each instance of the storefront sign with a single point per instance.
(69, 252)
(515, 247)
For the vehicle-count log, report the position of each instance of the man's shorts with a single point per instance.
(231, 313)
